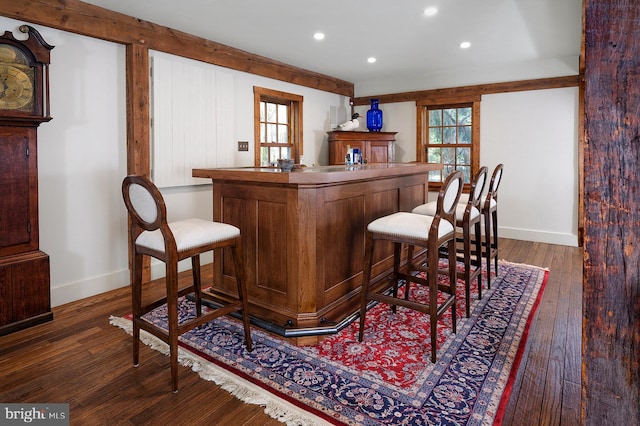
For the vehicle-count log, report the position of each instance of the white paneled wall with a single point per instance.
(192, 119)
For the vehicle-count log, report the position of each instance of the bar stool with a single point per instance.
(467, 216)
(490, 216)
(429, 232)
(151, 235)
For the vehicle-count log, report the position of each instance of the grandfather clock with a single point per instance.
(24, 103)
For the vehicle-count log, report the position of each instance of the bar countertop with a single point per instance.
(316, 175)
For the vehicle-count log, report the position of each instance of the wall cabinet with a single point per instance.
(376, 147)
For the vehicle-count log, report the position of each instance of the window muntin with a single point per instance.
(449, 140)
(274, 131)
(278, 126)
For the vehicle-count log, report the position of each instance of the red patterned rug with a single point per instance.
(386, 379)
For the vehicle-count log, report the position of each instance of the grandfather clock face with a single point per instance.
(17, 80)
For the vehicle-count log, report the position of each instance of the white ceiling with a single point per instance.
(413, 51)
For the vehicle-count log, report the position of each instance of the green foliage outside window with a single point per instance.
(449, 141)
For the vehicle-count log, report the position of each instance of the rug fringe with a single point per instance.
(506, 262)
(245, 391)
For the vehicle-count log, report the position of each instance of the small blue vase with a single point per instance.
(374, 117)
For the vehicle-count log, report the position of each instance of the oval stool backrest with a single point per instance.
(449, 196)
(495, 181)
(478, 185)
(144, 202)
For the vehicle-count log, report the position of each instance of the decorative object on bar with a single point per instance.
(354, 156)
(285, 164)
(374, 117)
(352, 124)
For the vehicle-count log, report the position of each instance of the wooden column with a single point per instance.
(138, 118)
(611, 296)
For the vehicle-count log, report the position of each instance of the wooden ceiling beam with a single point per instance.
(472, 92)
(92, 21)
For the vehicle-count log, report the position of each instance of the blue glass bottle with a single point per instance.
(374, 117)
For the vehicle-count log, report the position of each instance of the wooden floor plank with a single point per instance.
(81, 359)
(552, 397)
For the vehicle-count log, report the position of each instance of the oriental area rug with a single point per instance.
(388, 379)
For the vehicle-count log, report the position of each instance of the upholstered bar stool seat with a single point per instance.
(151, 235)
(468, 216)
(408, 225)
(189, 233)
(415, 230)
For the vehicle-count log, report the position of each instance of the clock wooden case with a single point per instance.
(24, 104)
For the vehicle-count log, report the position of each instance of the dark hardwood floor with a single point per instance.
(82, 360)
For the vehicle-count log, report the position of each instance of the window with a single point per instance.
(278, 126)
(450, 136)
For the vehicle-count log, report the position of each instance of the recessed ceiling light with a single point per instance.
(371, 60)
(430, 11)
(318, 36)
(465, 45)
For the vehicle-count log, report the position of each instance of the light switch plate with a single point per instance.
(243, 145)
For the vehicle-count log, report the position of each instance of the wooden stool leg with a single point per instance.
(410, 268)
(478, 256)
(397, 250)
(487, 246)
(197, 283)
(453, 275)
(136, 304)
(242, 291)
(366, 277)
(172, 318)
(494, 216)
(466, 248)
(432, 267)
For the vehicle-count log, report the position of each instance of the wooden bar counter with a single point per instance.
(303, 236)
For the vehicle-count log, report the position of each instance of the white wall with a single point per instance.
(82, 160)
(535, 135)
(398, 117)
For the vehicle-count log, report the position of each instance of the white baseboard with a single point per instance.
(538, 236)
(88, 287)
(70, 292)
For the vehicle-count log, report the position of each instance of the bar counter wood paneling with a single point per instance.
(303, 235)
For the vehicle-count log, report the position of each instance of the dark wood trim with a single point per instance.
(138, 81)
(611, 294)
(455, 94)
(295, 113)
(85, 19)
(421, 139)
(581, 135)
(138, 119)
